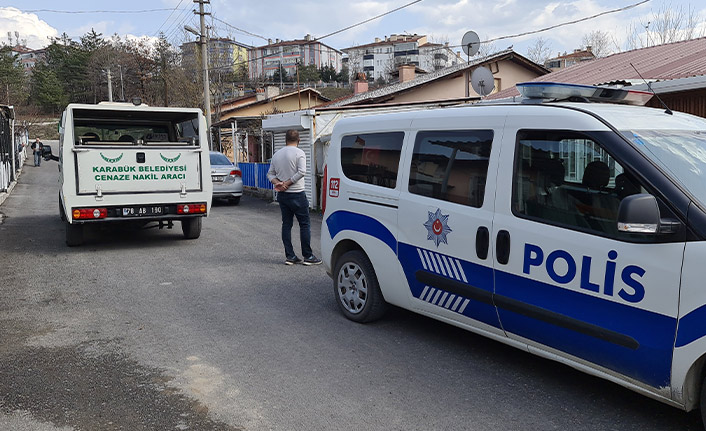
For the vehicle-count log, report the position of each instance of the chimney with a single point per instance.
(277, 40)
(407, 72)
(360, 85)
(377, 40)
(269, 41)
(266, 93)
(307, 37)
(589, 48)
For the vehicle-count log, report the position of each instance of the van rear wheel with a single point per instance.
(357, 289)
(191, 227)
(74, 234)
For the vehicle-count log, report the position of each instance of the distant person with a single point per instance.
(287, 171)
(37, 148)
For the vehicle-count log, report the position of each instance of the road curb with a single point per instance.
(5, 195)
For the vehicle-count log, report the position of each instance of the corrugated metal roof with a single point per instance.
(662, 62)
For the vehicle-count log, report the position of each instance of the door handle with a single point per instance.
(482, 242)
(502, 247)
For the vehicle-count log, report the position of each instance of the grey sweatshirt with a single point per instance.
(289, 163)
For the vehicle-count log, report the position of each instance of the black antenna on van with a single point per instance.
(664, 105)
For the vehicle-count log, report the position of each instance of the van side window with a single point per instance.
(372, 158)
(568, 179)
(451, 165)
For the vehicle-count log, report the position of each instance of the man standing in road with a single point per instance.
(37, 147)
(287, 171)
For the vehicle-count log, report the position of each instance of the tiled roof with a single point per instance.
(402, 86)
(662, 62)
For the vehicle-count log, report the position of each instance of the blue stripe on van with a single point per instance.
(650, 362)
(346, 220)
(691, 327)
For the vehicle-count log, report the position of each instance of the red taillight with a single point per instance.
(89, 213)
(236, 173)
(199, 208)
(325, 190)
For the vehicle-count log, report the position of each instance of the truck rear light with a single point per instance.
(199, 208)
(89, 213)
(236, 173)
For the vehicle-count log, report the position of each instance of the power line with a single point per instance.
(566, 23)
(370, 19)
(170, 15)
(96, 11)
(240, 29)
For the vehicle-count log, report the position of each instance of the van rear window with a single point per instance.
(372, 158)
(107, 127)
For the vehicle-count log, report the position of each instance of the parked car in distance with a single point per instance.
(226, 177)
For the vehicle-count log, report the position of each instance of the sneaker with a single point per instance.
(312, 260)
(292, 260)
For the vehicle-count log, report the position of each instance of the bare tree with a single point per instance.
(540, 51)
(668, 24)
(602, 44)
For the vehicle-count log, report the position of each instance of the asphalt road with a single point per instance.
(143, 330)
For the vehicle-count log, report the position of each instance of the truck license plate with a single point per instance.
(142, 211)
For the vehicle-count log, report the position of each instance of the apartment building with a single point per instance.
(383, 57)
(285, 55)
(223, 53)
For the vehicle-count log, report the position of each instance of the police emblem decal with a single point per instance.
(437, 227)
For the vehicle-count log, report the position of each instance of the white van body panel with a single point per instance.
(650, 354)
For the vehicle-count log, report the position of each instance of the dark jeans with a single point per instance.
(295, 204)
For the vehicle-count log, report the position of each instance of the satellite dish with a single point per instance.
(470, 43)
(482, 81)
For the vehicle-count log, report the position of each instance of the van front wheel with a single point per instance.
(74, 234)
(357, 289)
(191, 227)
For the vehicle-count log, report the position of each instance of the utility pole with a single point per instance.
(204, 64)
(110, 87)
(122, 88)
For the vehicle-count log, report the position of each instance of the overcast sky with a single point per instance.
(441, 20)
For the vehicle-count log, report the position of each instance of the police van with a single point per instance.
(571, 229)
(122, 162)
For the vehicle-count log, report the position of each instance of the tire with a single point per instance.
(74, 234)
(702, 402)
(191, 227)
(356, 288)
(234, 201)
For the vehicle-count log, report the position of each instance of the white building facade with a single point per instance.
(267, 59)
(384, 56)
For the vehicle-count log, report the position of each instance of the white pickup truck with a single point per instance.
(122, 162)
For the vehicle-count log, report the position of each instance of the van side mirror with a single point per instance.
(640, 214)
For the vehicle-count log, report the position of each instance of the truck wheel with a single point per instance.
(74, 234)
(356, 288)
(191, 227)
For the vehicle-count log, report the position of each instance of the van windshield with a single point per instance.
(681, 153)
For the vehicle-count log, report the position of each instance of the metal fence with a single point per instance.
(255, 175)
